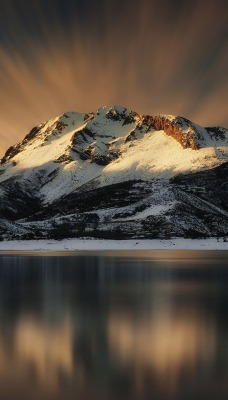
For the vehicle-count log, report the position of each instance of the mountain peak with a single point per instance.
(118, 164)
(103, 136)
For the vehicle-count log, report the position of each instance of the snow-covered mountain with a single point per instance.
(116, 173)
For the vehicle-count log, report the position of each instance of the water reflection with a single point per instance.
(35, 357)
(47, 350)
(165, 343)
(106, 327)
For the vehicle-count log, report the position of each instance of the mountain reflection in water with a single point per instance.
(140, 326)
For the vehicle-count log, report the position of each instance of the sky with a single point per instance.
(151, 56)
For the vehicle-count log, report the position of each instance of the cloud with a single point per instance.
(151, 56)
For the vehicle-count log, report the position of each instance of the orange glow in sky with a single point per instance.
(150, 56)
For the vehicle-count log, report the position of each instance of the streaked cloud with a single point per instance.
(152, 56)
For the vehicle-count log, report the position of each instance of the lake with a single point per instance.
(114, 325)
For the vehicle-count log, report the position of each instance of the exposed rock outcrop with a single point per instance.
(181, 129)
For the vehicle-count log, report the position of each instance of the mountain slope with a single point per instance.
(115, 170)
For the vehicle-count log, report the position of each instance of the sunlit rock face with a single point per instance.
(182, 130)
(124, 163)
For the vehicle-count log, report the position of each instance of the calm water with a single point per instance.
(140, 325)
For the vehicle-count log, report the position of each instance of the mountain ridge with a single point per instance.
(128, 167)
(187, 133)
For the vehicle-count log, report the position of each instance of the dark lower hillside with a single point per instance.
(193, 206)
(17, 200)
(114, 196)
(211, 185)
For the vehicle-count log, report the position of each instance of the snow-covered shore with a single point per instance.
(99, 245)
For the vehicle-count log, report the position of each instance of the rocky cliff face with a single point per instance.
(182, 130)
(185, 132)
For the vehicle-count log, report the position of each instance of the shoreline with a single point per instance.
(67, 245)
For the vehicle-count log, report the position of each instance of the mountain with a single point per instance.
(116, 174)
